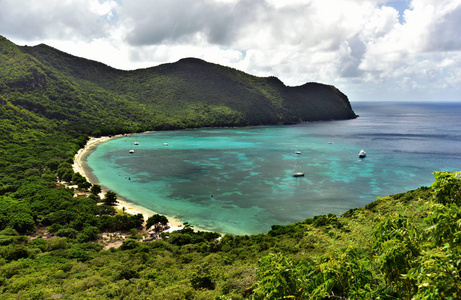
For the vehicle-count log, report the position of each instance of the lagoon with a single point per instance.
(239, 180)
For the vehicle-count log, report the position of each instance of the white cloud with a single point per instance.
(71, 19)
(401, 50)
(359, 45)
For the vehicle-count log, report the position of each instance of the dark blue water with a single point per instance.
(240, 180)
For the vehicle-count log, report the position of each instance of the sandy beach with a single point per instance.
(123, 204)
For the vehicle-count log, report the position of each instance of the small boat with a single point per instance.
(136, 143)
(166, 144)
(131, 151)
(296, 171)
(362, 154)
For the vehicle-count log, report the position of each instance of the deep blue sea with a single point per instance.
(239, 180)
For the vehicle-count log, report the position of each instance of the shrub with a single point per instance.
(127, 274)
(67, 232)
(79, 254)
(129, 244)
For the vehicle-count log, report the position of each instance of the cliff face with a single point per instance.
(188, 93)
(325, 102)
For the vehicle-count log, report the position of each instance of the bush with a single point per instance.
(202, 279)
(9, 231)
(14, 252)
(56, 243)
(67, 232)
(79, 254)
(127, 274)
(129, 244)
(89, 233)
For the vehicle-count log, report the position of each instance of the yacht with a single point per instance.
(362, 154)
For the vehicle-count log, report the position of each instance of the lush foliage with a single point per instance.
(156, 220)
(404, 246)
(110, 198)
(391, 249)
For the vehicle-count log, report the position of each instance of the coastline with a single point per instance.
(122, 203)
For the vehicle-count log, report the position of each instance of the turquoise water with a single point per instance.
(240, 180)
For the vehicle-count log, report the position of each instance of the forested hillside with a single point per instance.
(94, 98)
(404, 246)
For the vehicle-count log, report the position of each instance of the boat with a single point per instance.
(166, 144)
(132, 150)
(296, 172)
(362, 154)
(136, 143)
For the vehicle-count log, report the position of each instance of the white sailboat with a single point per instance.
(296, 172)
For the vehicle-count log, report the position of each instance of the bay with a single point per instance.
(239, 180)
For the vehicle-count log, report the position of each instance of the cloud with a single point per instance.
(406, 45)
(414, 48)
(31, 19)
(444, 32)
(186, 21)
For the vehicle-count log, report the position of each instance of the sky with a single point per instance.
(372, 50)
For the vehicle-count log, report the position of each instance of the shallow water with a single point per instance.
(240, 180)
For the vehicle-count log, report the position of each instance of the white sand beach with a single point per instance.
(122, 204)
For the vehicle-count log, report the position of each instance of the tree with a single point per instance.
(95, 189)
(202, 278)
(110, 198)
(156, 219)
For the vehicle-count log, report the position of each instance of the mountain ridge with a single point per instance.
(188, 93)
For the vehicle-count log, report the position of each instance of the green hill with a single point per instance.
(188, 93)
(404, 246)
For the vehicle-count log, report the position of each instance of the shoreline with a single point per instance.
(122, 204)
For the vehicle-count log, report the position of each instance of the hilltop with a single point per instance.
(94, 98)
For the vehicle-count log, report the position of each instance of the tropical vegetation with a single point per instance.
(56, 231)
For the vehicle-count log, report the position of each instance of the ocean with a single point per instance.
(240, 180)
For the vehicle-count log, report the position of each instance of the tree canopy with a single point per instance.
(156, 219)
(110, 198)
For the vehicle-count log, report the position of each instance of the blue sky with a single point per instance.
(399, 5)
(373, 50)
